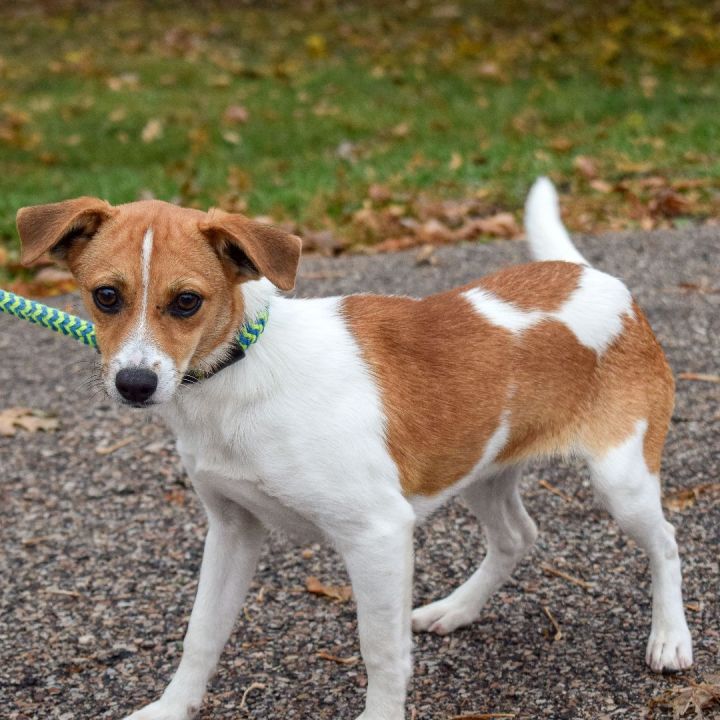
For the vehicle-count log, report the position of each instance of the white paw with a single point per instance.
(161, 710)
(442, 617)
(669, 648)
(399, 715)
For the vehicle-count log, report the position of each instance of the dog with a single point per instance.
(351, 418)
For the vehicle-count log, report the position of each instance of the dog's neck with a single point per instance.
(257, 297)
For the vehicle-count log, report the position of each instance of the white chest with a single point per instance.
(297, 438)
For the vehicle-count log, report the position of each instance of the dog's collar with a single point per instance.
(247, 335)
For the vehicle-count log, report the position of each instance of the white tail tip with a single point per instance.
(546, 234)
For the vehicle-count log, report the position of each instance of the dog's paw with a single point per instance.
(442, 617)
(669, 649)
(160, 710)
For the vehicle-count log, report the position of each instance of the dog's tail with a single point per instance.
(546, 234)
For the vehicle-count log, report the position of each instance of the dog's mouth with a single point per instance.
(139, 405)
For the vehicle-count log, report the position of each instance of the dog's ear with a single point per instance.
(57, 226)
(254, 249)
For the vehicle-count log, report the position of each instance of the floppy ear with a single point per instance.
(57, 226)
(254, 249)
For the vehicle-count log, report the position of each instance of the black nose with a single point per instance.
(136, 384)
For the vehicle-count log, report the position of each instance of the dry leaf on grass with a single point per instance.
(26, 419)
(152, 131)
(236, 114)
(586, 166)
(341, 593)
(500, 225)
(695, 697)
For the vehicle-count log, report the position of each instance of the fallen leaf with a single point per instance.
(152, 131)
(562, 144)
(696, 697)
(342, 593)
(456, 161)
(236, 114)
(586, 166)
(379, 193)
(669, 203)
(426, 256)
(394, 244)
(126, 81)
(25, 419)
(316, 45)
(434, 231)
(58, 285)
(601, 186)
(230, 137)
(682, 499)
(401, 130)
(352, 660)
(500, 225)
(490, 70)
(220, 81)
(176, 496)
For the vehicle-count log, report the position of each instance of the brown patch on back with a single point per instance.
(446, 375)
(442, 373)
(535, 286)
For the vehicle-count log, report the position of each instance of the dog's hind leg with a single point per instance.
(510, 533)
(631, 492)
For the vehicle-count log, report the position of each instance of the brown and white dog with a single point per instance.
(346, 420)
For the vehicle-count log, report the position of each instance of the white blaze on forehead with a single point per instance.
(145, 257)
(139, 349)
(594, 311)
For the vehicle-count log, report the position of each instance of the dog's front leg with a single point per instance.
(380, 563)
(232, 548)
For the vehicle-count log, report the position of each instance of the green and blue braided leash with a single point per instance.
(84, 330)
(48, 317)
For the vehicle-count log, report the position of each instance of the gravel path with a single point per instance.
(100, 550)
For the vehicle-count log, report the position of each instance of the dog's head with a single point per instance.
(163, 284)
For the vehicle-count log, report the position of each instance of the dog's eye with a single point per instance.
(185, 304)
(107, 299)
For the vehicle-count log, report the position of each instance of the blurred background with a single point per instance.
(362, 125)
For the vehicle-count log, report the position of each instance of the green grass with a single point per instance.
(402, 89)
